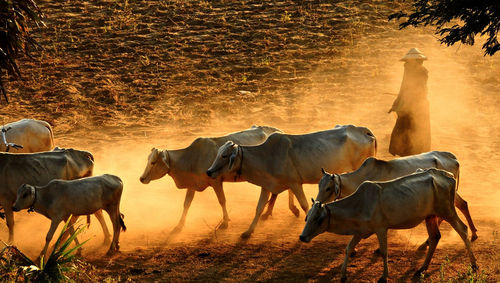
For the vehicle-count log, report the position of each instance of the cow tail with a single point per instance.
(124, 228)
(88, 221)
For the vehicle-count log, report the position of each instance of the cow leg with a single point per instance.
(434, 235)
(461, 229)
(219, 191)
(187, 204)
(270, 207)
(348, 251)
(71, 230)
(272, 201)
(114, 215)
(291, 204)
(301, 197)
(66, 233)
(424, 245)
(50, 234)
(107, 235)
(9, 217)
(264, 196)
(461, 204)
(382, 241)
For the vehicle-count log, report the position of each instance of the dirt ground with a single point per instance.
(119, 77)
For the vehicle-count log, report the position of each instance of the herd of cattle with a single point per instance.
(373, 196)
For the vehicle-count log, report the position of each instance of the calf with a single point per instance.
(402, 203)
(60, 199)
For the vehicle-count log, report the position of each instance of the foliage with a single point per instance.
(457, 20)
(15, 37)
(51, 270)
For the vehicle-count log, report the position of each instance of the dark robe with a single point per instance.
(412, 132)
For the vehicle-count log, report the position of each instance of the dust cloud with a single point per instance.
(464, 103)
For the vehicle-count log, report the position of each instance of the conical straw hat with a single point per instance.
(414, 53)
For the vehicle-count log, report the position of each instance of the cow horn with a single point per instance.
(312, 200)
(323, 171)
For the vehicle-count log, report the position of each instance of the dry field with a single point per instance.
(119, 77)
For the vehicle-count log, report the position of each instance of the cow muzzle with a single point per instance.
(304, 239)
(210, 173)
(144, 180)
(15, 209)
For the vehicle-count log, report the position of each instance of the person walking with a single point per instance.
(412, 131)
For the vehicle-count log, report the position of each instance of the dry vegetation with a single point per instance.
(118, 77)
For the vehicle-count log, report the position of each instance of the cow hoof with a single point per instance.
(343, 279)
(79, 253)
(423, 246)
(295, 211)
(353, 253)
(265, 216)
(474, 237)
(223, 225)
(382, 280)
(418, 274)
(176, 230)
(246, 235)
(377, 252)
(111, 252)
(474, 267)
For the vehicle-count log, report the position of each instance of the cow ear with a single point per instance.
(166, 158)
(233, 156)
(337, 188)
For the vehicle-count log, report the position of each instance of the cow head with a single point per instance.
(158, 165)
(228, 155)
(25, 197)
(316, 222)
(329, 187)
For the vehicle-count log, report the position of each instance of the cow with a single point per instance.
(402, 203)
(333, 186)
(287, 161)
(60, 199)
(39, 169)
(187, 167)
(31, 135)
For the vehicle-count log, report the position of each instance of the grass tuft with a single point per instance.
(15, 265)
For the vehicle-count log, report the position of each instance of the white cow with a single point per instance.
(287, 161)
(32, 135)
(333, 186)
(402, 203)
(187, 167)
